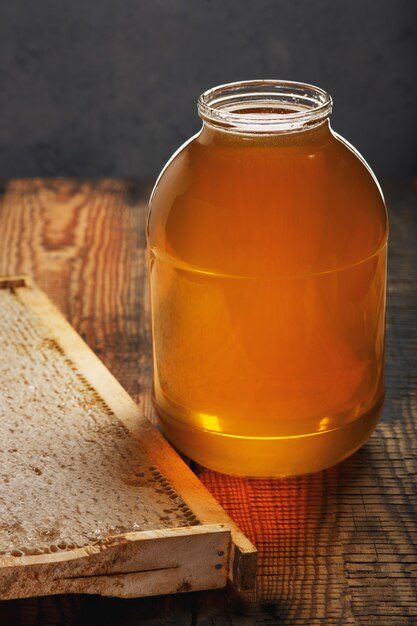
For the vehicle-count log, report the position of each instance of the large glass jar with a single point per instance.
(267, 238)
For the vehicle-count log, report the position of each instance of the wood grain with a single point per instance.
(337, 547)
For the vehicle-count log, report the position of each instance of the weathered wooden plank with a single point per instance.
(335, 548)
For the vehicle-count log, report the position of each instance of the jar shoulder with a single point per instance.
(321, 195)
(358, 168)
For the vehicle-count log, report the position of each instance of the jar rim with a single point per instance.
(277, 106)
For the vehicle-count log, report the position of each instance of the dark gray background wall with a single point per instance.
(108, 87)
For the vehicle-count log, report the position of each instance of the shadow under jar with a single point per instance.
(267, 240)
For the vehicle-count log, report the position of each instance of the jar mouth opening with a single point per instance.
(264, 106)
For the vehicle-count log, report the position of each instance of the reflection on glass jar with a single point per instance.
(267, 241)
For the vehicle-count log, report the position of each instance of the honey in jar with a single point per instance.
(267, 240)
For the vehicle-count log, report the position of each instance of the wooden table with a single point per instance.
(336, 547)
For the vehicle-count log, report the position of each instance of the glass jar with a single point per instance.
(267, 238)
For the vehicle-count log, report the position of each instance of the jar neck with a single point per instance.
(211, 135)
(264, 108)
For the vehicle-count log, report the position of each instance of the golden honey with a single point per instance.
(267, 254)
